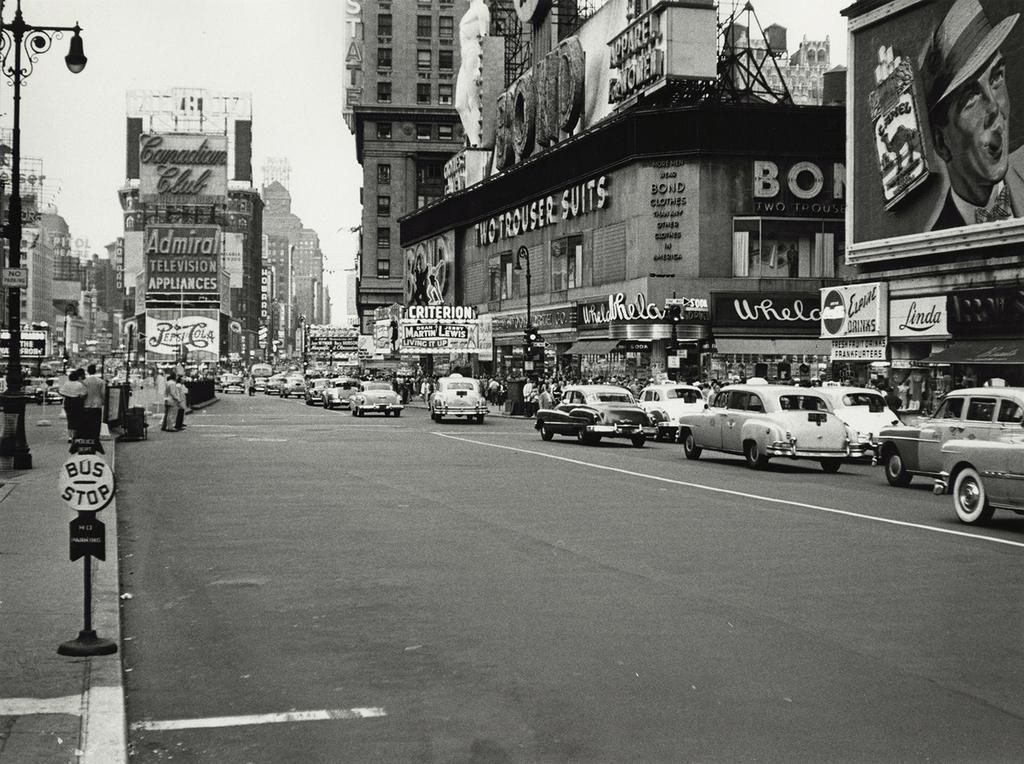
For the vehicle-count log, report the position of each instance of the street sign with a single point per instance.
(15, 278)
(88, 537)
(86, 483)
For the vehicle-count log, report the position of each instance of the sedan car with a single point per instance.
(864, 410)
(338, 393)
(293, 384)
(232, 383)
(975, 413)
(762, 421)
(458, 396)
(665, 402)
(273, 384)
(592, 412)
(314, 393)
(375, 398)
(983, 476)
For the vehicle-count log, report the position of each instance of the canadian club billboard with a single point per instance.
(183, 167)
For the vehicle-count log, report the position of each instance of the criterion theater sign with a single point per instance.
(440, 329)
(183, 167)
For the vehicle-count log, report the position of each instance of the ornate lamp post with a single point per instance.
(20, 47)
(524, 254)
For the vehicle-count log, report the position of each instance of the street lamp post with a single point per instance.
(524, 254)
(20, 47)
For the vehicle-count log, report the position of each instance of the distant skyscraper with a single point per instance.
(277, 169)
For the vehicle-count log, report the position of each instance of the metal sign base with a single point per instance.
(87, 644)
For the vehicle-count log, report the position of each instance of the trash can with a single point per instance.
(135, 425)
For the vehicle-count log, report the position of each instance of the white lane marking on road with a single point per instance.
(741, 494)
(238, 721)
(69, 704)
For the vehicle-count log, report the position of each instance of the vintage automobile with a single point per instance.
(314, 392)
(762, 421)
(974, 413)
(338, 392)
(293, 384)
(273, 384)
(43, 390)
(375, 398)
(592, 412)
(864, 410)
(458, 396)
(665, 402)
(984, 475)
(232, 383)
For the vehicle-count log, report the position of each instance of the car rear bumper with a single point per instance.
(460, 411)
(794, 451)
(621, 430)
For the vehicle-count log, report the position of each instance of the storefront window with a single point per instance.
(566, 263)
(501, 281)
(766, 248)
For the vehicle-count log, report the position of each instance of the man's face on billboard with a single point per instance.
(974, 141)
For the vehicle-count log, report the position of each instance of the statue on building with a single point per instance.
(473, 28)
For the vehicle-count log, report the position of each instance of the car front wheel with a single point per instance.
(755, 459)
(690, 448)
(970, 499)
(545, 433)
(894, 471)
(638, 441)
(830, 465)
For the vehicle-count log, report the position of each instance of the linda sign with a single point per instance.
(919, 318)
(183, 167)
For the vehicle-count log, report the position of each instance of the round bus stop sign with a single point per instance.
(86, 483)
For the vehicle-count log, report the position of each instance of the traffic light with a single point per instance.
(675, 313)
(531, 336)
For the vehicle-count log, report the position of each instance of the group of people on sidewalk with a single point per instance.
(175, 404)
(83, 394)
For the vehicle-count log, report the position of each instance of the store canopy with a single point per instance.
(980, 352)
(592, 347)
(772, 346)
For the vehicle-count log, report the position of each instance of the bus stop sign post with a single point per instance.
(86, 485)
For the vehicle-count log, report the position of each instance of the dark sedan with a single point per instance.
(592, 412)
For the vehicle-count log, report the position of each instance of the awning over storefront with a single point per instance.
(772, 346)
(592, 347)
(979, 351)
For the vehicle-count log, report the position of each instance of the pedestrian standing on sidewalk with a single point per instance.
(182, 401)
(170, 403)
(95, 387)
(73, 392)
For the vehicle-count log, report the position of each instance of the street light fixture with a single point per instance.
(20, 47)
(524, 254)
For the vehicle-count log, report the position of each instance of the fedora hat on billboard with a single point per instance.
(959, 48)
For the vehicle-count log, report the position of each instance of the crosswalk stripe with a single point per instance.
(278, 718)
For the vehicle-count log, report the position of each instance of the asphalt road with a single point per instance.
(312, 587)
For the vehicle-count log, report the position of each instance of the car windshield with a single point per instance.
(683, 394)
(802, 403)
(461, 386)
(613, 397)
(873, 401)
(376, 386)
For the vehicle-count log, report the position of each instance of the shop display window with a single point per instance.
(502, 284)
(566, 263)
(773, 248)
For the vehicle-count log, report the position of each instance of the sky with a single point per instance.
(288, 54)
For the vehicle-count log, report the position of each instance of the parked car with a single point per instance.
(665, 402)
(592, 412)
(293, 384)
(864, 410)
(458, 396)
(375, 397)
(314, 393)
(984, 475)
(339, 391)
(975, 413)
(38, 390)
(232, 383)
(273, 384)
(762, 421)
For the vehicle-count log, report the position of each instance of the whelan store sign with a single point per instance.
(790, 312)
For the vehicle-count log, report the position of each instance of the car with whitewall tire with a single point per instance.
(375, 398)
(665, 402)
(592, 412)
(458, 396)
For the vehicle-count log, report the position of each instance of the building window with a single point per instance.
(566, 263)
(422, 200)
(429, 171)
(383, 58)
(501, 280)
(384, 131)
(383, 269)
(384, 92)
(444, 94)
(445, 60)
(774, 248)
(446, 27)
(424, 26)
(383, 206)
(384, 24)
(444, 132)
(423, 60)
(423, 92)
(383, 237)
(423, 131)
(383, 174)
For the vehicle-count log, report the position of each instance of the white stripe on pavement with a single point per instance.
(741, 494)
(238, 721)
(69, 704)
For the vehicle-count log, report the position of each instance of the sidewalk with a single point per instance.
(54, 708)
